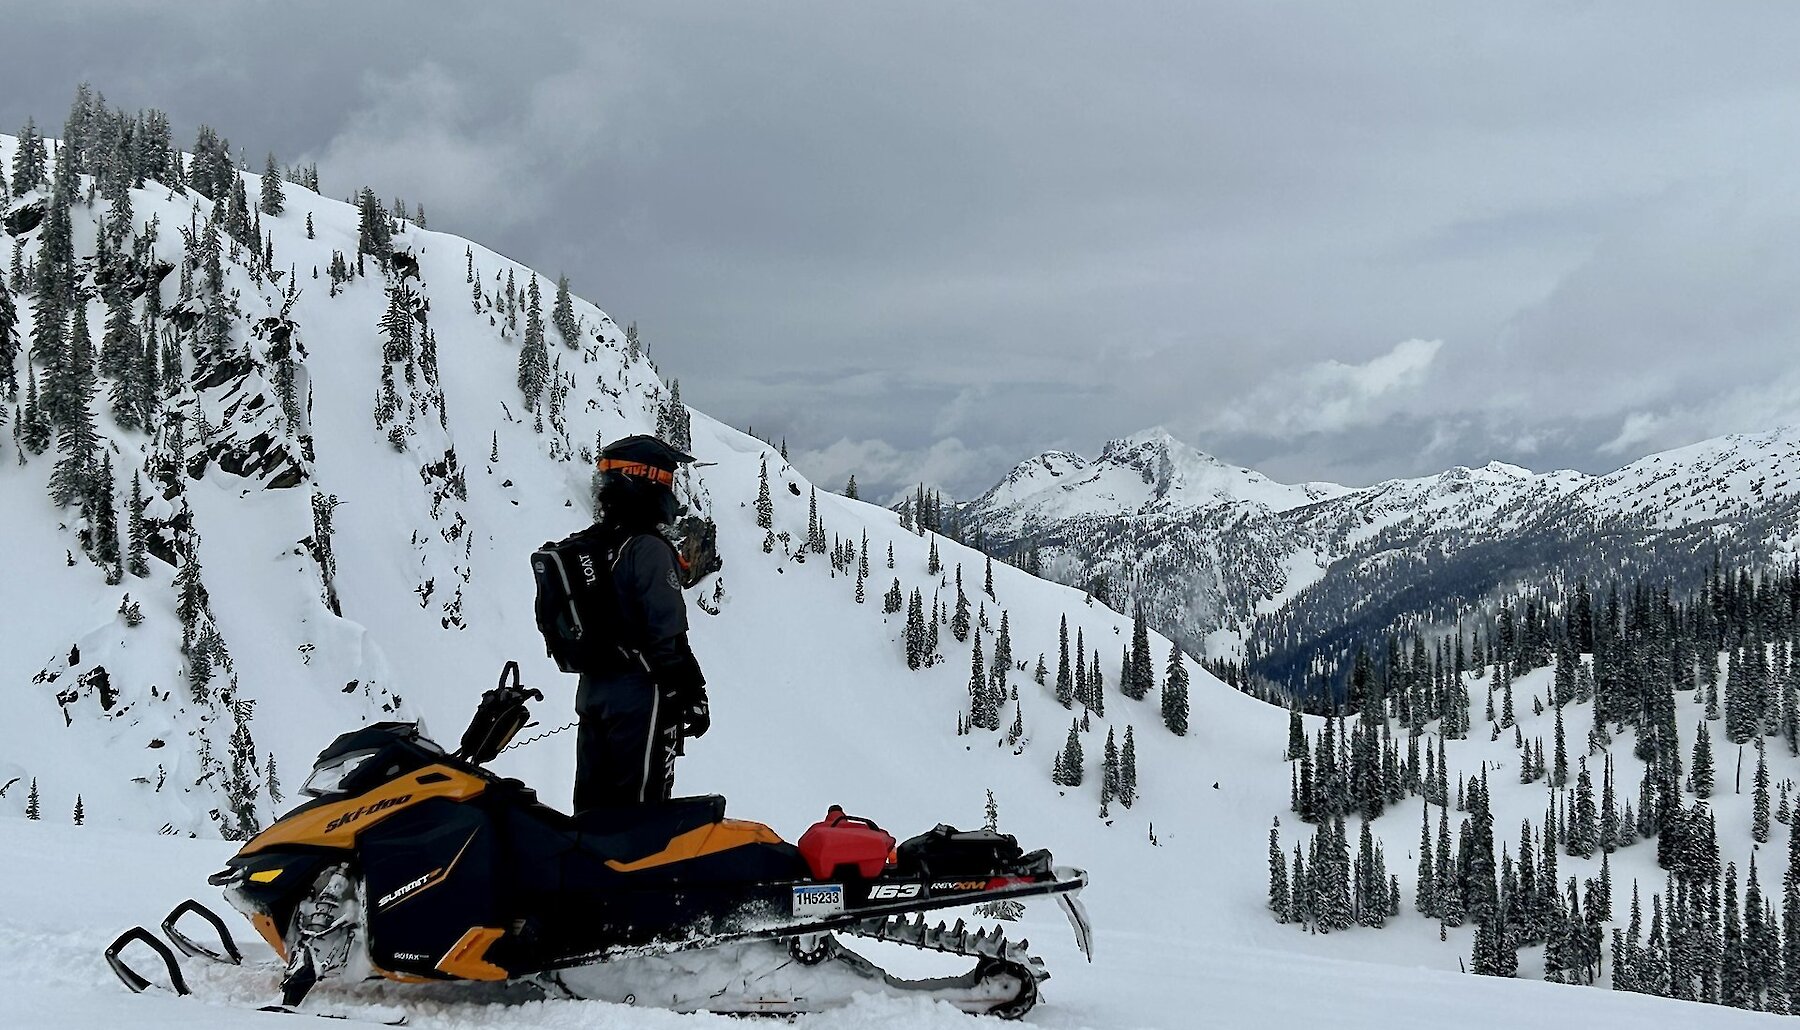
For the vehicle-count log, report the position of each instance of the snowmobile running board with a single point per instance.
(1066, 887)
(779, 970)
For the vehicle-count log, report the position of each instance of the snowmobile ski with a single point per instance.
(131, 978)
(227, 951)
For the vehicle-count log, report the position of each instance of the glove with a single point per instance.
(696, 719)
(683, 688)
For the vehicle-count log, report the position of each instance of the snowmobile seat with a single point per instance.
(630, 832)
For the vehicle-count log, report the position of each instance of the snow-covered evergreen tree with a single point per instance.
(534, 359)
(1065, 678)
(1280, 900)
(1175, 694)
(274, 194)
(1759, 819)
(1701, 768)
(916, 652)
(1069, 769)
(562, 314)
(1138, 682)
(272, 781)
(9, 343)
(765, 504)
(959, 620)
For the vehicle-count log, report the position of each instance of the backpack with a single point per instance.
(946, 851)
(577, 602)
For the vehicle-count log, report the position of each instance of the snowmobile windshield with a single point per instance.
(328, 776)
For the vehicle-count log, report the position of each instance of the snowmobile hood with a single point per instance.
(334, 823)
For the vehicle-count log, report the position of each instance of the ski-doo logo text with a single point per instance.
(821, 900)
(893, 891)
(370, 809)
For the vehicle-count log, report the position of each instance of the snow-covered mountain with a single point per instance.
(1223, 557)
(1149, 472)
(340, 477)
(340, 481)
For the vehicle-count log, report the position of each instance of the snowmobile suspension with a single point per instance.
(953, 940)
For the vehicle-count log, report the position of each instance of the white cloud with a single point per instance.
(886, 473)
(1630, 255)
(1745, 409)
(1330, 396)
(1638, 429)
(431, 134)
(417, 135)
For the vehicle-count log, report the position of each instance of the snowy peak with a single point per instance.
(1211, 548)
(1182, 475)
(1146, 472)
(1037, 473)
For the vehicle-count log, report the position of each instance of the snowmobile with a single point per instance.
(415, 864)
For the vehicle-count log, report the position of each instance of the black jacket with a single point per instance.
(653, 610)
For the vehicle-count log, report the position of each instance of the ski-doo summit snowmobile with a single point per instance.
(415, 864)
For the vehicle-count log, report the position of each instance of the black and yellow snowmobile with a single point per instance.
(415, 864)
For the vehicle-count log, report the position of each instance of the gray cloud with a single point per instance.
(933, 239)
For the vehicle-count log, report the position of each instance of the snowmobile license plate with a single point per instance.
(819, 899)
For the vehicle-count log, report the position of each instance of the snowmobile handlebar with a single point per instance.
(510, 671)
(498, 718)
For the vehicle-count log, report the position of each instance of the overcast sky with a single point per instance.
(928, 240)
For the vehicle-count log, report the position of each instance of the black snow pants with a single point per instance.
(626, 743)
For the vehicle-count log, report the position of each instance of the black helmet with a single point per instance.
(637, 480)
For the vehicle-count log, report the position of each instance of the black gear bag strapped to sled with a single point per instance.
(498, 719)
(577, 603)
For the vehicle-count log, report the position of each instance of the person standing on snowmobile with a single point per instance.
(641, 689)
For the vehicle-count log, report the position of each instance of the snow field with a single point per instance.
(813, 704)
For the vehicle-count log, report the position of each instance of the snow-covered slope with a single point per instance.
(423, 589)
(1149, 976)
(428, 548)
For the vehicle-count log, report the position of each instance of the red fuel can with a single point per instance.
(846, 846)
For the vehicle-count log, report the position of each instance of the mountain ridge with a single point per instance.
(1210, 562)
(346, 501)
